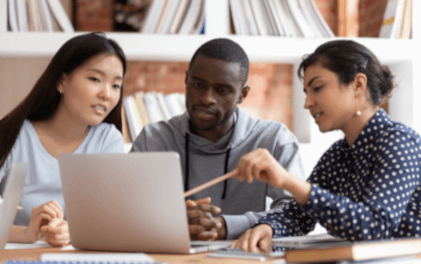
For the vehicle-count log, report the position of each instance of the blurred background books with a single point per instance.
(142, 108)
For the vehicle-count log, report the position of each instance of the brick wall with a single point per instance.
(94, 15)
(371, 17)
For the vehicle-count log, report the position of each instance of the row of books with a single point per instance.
(397, 20)
(37, 15)
(145, 108)
(175, 17)
(285, 18)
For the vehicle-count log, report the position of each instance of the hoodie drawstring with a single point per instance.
(225, 172)
(186, 181)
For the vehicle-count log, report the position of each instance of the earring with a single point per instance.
(358, 111)
(60, 92)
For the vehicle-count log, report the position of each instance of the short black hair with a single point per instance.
(226, 50)
(346, 58)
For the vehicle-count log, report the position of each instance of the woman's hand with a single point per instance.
(41, 216)
(261, 165)
(256, 240)
(56, 233)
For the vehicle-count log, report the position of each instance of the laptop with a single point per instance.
(11, 196)
(127, 202)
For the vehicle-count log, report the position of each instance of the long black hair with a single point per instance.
(42, 101)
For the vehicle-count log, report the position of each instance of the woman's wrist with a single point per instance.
(19, 234)
(299, 189)
(265, 227)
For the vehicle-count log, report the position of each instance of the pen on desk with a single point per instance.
(209, 184)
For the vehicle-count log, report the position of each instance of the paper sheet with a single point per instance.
(101, 257)
(38, 244)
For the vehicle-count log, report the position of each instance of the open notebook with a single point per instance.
(127, 202)
(11, 196)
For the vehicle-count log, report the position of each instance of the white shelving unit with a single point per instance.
(401, 55)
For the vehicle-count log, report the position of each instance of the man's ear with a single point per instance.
(244, 92)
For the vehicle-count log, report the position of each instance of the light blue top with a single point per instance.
(43, 182)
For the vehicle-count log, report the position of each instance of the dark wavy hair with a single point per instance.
(346, 58)
(42, 101)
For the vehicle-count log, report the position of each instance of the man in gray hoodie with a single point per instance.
(213, 135)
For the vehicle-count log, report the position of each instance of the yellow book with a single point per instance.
(142, 108)
(137, 111)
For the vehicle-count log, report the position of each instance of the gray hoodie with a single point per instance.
(242, 204)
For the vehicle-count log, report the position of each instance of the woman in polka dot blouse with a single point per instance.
(366, 186)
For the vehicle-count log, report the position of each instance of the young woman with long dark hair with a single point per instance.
(74, 107)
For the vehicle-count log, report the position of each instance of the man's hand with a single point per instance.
(202, 226)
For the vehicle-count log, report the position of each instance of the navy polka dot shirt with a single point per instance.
(370, 190)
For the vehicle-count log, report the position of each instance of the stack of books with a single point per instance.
(397, 20)
(142, 108)
(285, 18)
(37, 15)
(324, 248)
(400, 250)
(174, 17)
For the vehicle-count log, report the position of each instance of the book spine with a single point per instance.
(168, 20)
(45, 13)
(131, 117)
(178, 18)
(61, 16)
(163, 105)
(13, 21)
(22, 16)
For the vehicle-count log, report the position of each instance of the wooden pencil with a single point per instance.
(209, 184)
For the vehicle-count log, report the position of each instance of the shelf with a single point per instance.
(152, 47)
(181, 47)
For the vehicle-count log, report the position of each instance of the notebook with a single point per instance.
(107, 258)
(12, 193)
(127, 202)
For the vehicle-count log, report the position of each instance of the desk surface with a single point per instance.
(35, 253)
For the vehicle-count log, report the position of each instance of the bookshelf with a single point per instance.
(401, 55)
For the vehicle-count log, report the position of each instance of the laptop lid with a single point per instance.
(125, 202)
(11, 196)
